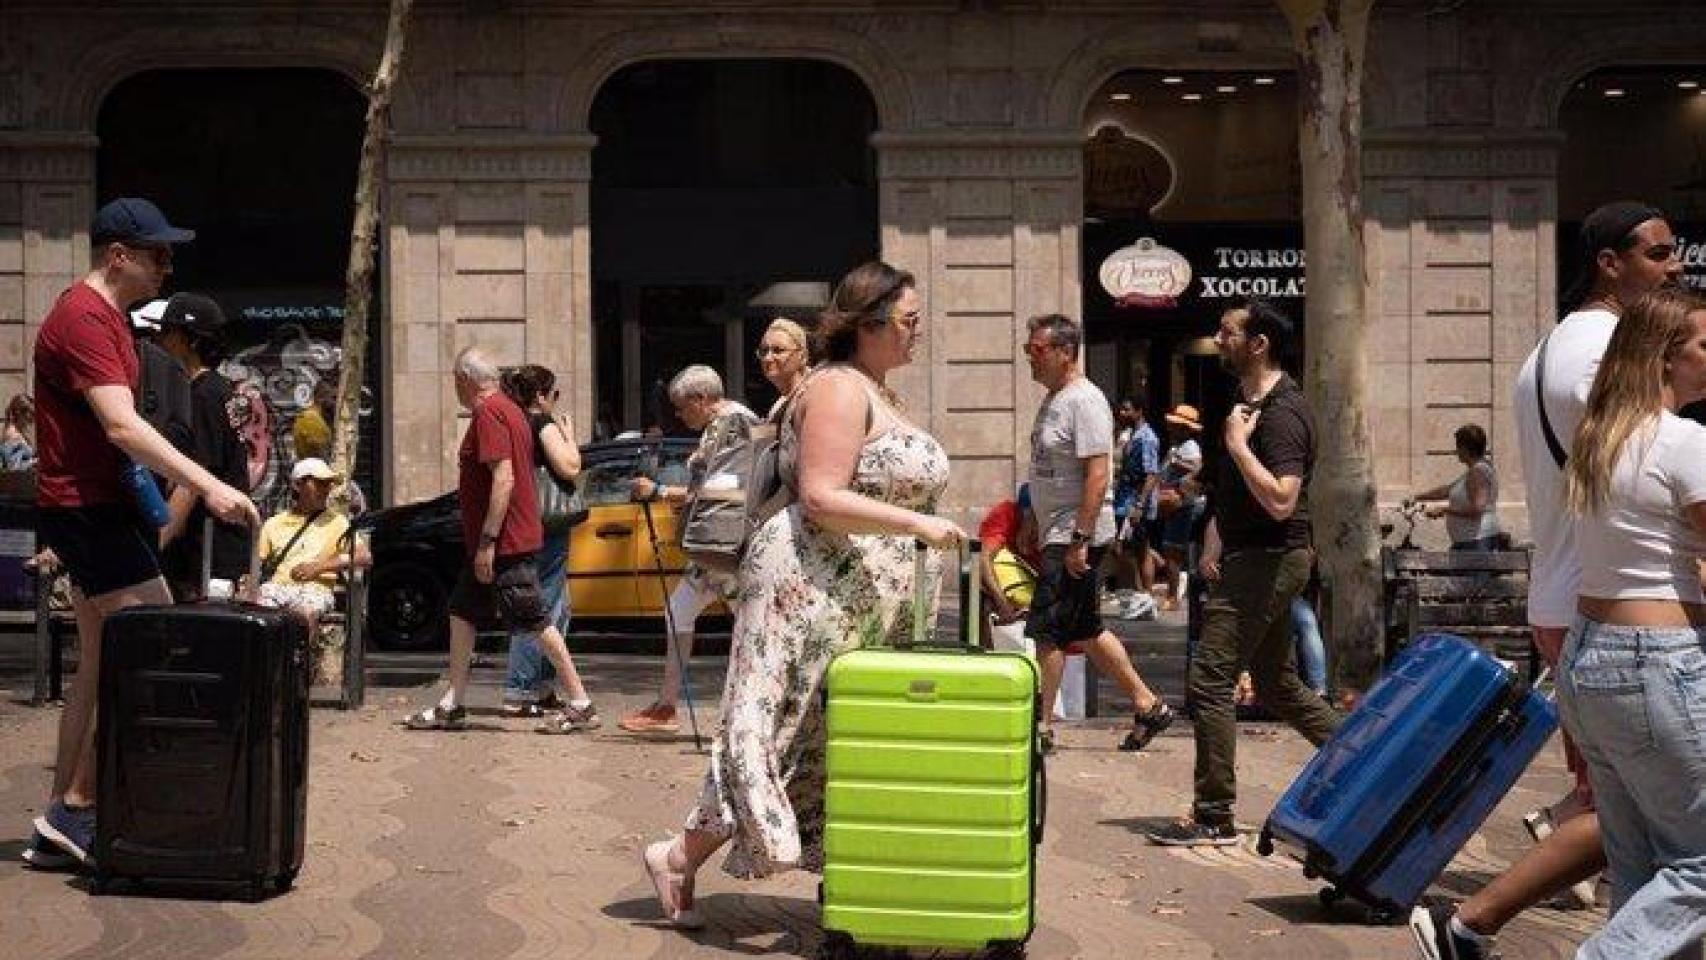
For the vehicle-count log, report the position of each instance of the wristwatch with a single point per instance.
(1079, 536)
(486, 538)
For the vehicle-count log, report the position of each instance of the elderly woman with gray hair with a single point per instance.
(697, 395)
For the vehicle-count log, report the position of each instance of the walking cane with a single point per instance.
(669, 624)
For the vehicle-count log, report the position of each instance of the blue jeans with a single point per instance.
(1311, 648)
(1634, 699)
(530, 674)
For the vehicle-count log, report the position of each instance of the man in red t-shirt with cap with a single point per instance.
(88, 431)
(501, 532)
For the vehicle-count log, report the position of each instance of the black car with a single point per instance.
(613, 577)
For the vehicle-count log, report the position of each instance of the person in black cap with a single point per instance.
(88, 432)
(1627, 251)
(190, 332)
(163, 388)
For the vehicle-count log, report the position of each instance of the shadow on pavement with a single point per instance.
(745, 924)
(1308, 910)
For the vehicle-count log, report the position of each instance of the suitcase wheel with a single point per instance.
(1006, 950)
(837, 946)
(1382, 916)
(1265, 844)
(1330, 896)
(99, 884)
(286, 880)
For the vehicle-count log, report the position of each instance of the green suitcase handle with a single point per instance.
(1039, 789)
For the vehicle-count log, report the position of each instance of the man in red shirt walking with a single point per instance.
(501, 532)
(88, 430)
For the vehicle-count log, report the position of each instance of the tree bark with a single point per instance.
(358, 280)
(1330, 37)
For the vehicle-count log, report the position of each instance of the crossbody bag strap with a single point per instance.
(271, 566)
(1559, 456)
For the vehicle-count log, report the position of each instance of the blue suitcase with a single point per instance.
(1414, 770)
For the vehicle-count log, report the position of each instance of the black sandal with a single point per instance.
(1147, 726)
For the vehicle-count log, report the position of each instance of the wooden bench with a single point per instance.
(1479, 595)
(51, 627)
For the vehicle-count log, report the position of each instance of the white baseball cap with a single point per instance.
(312, 467)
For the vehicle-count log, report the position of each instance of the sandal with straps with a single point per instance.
(672, 888)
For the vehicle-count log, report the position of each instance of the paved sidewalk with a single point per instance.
(500, 843)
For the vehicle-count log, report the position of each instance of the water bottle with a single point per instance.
(147, 494)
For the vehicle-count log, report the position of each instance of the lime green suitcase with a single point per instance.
(936, 795)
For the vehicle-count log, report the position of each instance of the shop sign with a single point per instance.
(1274, 273)
(1693, 257)
(1145, 274)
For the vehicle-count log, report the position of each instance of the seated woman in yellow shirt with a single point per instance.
(302, 549)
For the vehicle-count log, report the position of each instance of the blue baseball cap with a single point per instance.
(134, 220)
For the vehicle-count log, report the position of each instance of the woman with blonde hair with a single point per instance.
(1632, 685)
(784, 355)
(830, 573)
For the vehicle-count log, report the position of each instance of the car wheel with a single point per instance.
(406, 608)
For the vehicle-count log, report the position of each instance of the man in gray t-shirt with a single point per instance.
(1073, 426)
(1072, 444)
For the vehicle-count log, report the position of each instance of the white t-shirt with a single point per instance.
(1572, 359)
(1640, 545)
(1074, 423)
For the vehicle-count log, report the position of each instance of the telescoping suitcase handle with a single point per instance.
(971, 584)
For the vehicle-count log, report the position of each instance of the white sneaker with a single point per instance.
(1138, 606)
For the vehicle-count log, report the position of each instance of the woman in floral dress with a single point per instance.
(832, 572)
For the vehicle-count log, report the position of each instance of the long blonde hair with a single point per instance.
(1628, 391)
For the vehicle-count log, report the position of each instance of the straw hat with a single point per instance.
(1185, 415)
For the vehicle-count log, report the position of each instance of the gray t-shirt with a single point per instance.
(1073, 423)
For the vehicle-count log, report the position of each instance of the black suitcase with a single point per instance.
(203, 746)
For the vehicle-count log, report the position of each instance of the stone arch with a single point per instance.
(107, 63)
(864, 58)
(1100, 57)
(1648, 45)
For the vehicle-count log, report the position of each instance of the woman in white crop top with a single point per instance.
(1632, 684)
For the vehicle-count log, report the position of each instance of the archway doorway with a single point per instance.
(261, 163)
(1192, 200)
(725, 193)
(1635, 133)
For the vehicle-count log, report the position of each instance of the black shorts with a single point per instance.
(104, 547)
(1066, 609)
(512, 600)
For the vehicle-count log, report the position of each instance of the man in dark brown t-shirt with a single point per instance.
(1256, 557)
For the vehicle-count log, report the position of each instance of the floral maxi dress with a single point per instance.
(807, 594)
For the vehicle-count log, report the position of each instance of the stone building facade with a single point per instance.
(979, 142)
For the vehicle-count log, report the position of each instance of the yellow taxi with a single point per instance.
(613, 569)
(613, 556)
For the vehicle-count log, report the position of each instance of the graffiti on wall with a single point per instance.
(273, 384)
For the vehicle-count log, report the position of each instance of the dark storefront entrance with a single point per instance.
(1640, 134)
(270, 198)
(1190, 203)
(725, 193)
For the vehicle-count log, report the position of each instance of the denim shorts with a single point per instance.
(1634, 699)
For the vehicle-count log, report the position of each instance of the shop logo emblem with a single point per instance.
(1145, 275)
